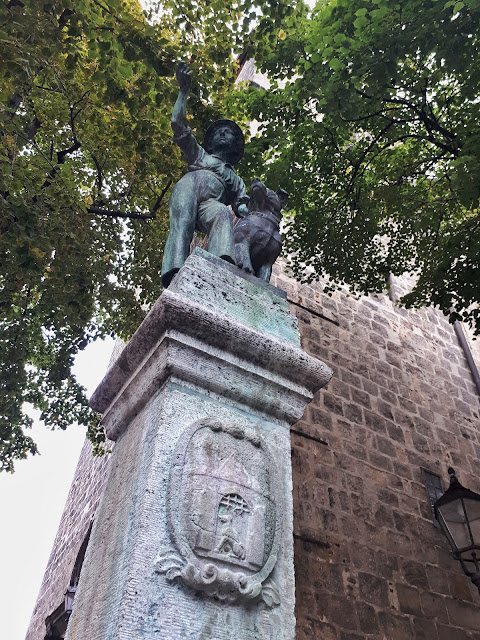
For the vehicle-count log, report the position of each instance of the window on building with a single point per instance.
(433, 486)
(79, 561)
(56, 623)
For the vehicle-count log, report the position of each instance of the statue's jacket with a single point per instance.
(227, 187)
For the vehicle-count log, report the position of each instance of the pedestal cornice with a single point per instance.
(213, 351)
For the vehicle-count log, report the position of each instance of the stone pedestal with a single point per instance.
(193, 537)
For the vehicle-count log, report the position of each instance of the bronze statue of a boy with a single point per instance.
(201, 197)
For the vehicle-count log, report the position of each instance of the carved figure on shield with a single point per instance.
(230, 543)
(201, 197)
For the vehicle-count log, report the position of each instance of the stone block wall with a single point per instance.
(82, 502)
(369, 563)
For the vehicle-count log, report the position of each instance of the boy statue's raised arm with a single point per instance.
(184, 79)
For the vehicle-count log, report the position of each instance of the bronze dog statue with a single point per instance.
(257, 238)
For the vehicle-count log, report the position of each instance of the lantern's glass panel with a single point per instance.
(69, 598)
(473, 511)
(433, 485)
(471, 561)
(453, 515)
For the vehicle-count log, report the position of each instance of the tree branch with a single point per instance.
(363, 94)
(392, 142)
(12, 106)
(158, 202)
(134, 215)
(358, 163)
(107, 10)
(61, 155)
(120, 214)
(430, 126)
(99, 172)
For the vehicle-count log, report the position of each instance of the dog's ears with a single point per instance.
(282, 196)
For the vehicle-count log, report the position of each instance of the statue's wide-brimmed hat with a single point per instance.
(238, 146)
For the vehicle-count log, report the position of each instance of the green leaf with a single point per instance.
(378, 14)
(360, 22)
(125, 70)
(336, 64)
(98, 76)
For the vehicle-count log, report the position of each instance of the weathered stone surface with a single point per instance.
(378, 444)
(367, 618)
(193, 538)
(243, 344)
(82, 504)
(408, 600)
(223, 513)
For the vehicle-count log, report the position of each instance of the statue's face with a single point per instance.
(223, 138)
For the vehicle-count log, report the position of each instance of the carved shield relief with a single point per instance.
(222, 513)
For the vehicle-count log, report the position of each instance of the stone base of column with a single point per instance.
(193, 536)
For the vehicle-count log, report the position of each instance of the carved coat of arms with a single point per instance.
(222, 514)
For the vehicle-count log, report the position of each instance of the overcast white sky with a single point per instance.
(32, 501)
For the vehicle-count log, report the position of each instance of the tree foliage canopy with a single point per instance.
(376, 136)
(374, 132)
(86, 164)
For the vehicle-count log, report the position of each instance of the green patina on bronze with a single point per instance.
(200, 199)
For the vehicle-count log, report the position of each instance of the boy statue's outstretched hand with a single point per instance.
(184, 77)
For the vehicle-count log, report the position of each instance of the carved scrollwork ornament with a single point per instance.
(223, 514)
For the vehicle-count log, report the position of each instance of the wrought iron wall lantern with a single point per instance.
(69, 597)
(458, 513)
